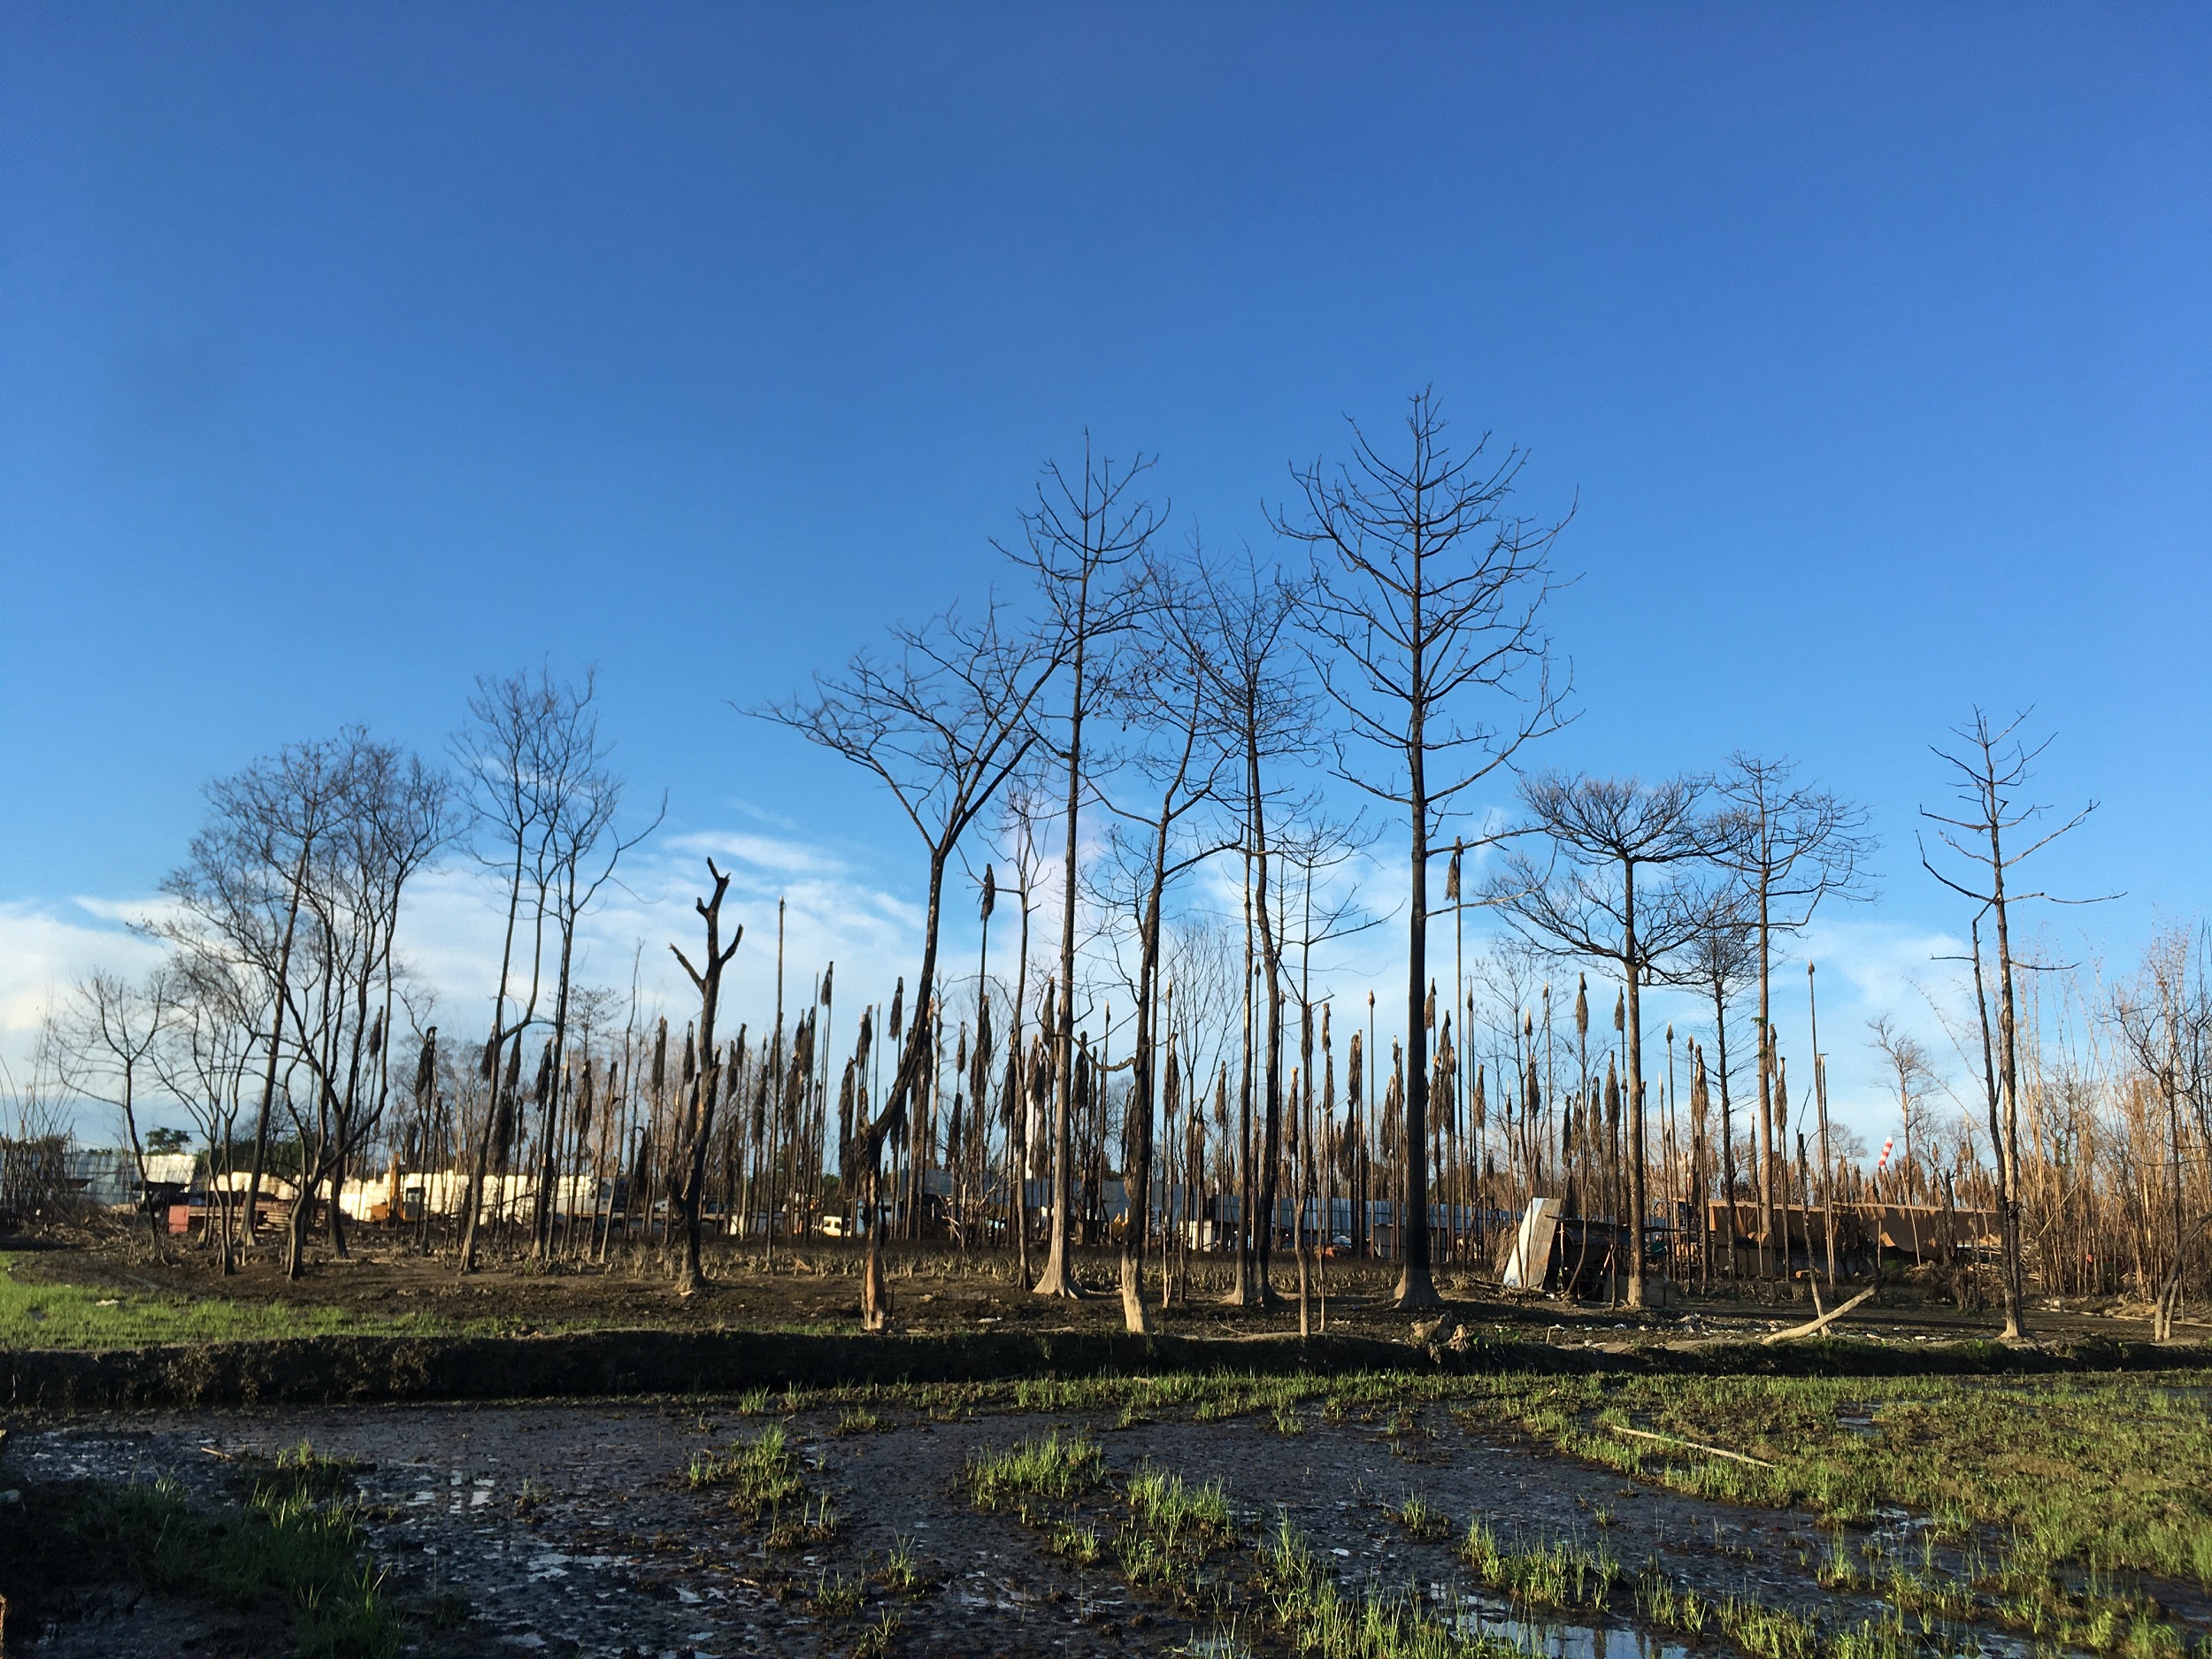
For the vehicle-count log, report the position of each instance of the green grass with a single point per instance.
(2104, 1471)
(1048, 1468)
(2100, 1472)
(876, 1641)
(1421, 1520)
(289, 1545)
(75, 1315)
(1173, 1527)
(762, 1474)
(837, 1595)
(1312, 1615)
(1180, 1516)
(903, 1569)
(1561, 1574)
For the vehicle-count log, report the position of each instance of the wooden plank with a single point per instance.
(1529, 1258)
(1695, 1445)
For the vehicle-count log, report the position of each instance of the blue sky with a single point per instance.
(349, 352)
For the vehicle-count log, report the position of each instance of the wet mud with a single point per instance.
(571, 1528)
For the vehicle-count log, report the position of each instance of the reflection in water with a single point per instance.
(1486, 1615)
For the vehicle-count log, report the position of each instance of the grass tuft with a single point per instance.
(1048, 1468)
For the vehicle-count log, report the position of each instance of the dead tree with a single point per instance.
(942, 724)
(1990, 766)
(1023, 808)
(204, 1061)
(705, 1085)
(1312, 847)
(394, 818)
(1169, 697)
(1791, 845)
(2162, 1019)
(1912, 1070)
(579, 796)
(1720, 962)
(1607, 836)
(1078, 544)
(1427, 597)
(1265, 710)
(240, 891)
(515, 730)
(109, 1035)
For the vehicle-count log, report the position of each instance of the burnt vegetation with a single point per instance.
(1152, 1080)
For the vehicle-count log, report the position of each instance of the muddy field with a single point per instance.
(574, 1530)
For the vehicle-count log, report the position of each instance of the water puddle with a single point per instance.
(1482, 1615)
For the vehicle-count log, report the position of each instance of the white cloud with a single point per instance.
(871, 927)
(44, 949)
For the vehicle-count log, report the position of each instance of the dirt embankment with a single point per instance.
(329, 1370)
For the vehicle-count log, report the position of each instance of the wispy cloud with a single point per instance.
(870, 927)
(44, 947)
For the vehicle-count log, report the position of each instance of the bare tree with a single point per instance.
(107, 1038)
(2164, 1019)
(1311, 847)
(1609, 835)
(1990, 766)
(1427, 597)
(1079, 544)
(514, 726)
(1792, 845)
(393, 817)
(1721, 962)
(1265, 709)
(242, 887)
(1912, 1071)
(204, 1060)
(579, 795)
(1025, 808)
(942, 724)
(1169, 698)
(704, 1084)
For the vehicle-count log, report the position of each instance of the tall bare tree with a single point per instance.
(205, 1060)
(1620, 888)
(943, 724)
(579, 796)
(1266, 710)
(242, 887)
(2165, 1019)
(1792, 845)
(395, 817)
(1178, 765)
(1989, 767)
(107, 1038)
(1082, 544)
(515, 727)
(1426, 609)
(1721, 962)
(1023, 807)
(1912, 1072)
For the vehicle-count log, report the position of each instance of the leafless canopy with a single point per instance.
(1425, 588)
(1617, 879)
(1798, 842)
(942, 720)
(1991, 765)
